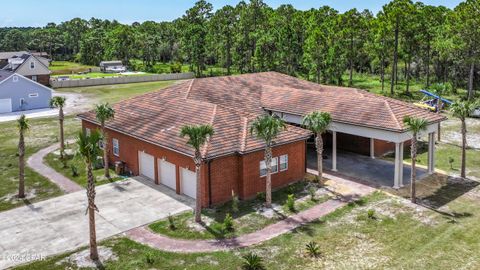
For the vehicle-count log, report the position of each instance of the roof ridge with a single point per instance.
(189, 89)
(392, 114)
(207, 144)
(243, 138)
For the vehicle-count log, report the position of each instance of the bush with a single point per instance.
(312, 191)
(261, 196)
(176, 68)
(450, 161)
(313, 249)
(291, 202)
(74, 170)
(235, 202)
(316, 179)
(228, 223)
(150, 258)
(371, 214)
(252, 262)
(171, 222)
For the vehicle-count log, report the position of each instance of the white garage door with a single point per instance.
(147, 165)
(167, 174)
(189, 182)
(5, 105)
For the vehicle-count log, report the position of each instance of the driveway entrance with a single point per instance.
(60, 224)
(376, 171)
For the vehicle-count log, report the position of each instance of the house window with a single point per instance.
(283, 163)
(116, 147)
(32, 65)
(15, 78)
(263, 167)
(87, 132)
(33, 95)
(34, 78)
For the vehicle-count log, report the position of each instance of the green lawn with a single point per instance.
(399, 236)
(53, 160)
(66, 67)
(246, 220)
(43, 132)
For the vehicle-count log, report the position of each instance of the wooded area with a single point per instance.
(404, 41)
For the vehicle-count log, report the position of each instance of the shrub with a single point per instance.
(371, 214)
(312, 191)
(176, 68)
(171, 222)
(74, 170)
(313, 250)
(316, 179)
(261, 196)
(235, 202)
(252, 261)
(450, 161)
(228, 223)
(291, 202)
(290, 189)
(150, 258)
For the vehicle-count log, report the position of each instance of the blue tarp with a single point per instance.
(435, 96)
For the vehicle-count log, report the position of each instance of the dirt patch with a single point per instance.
(452, 132)
(194, 226)
(12, 197)
(275, 212)
(82, 259)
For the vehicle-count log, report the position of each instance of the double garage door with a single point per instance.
(5, 105)
(167, 174)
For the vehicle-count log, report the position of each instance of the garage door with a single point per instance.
(189, 182)
(167, 174)
(147, 165)
(5, 105)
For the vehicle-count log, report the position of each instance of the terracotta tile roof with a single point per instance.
(231, 103)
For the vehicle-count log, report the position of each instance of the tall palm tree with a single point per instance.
(23, 126)
(103, 114)
(59, 102)
(318, 122)
(197, 137)
(88, 149)
(462, 110)
(267, 128)
(415, 125)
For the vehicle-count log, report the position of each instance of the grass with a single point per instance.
(43, 132)
(53, 160)
(246, 220)
(93, 75)
(399, 237)
(65, 67)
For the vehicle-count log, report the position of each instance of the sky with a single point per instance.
(40, 12)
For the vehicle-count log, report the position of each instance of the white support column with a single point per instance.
(396, 178)
(372, 148)
(400, 167)
(431, 152)
(334, 151)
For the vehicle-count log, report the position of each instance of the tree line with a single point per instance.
(404, 41)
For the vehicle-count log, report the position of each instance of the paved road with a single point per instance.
(60, 224)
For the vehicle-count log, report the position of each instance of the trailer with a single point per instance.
(431, 104)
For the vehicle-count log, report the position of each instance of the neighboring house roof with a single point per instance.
(231, 103)
(110, 63)
(41, 68)
(6, 55)
(5, 75)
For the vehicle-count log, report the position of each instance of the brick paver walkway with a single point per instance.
(36, 163)
(345, 188)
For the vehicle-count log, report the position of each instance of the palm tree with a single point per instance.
(89, 150)
(59, 102)
(415, 125)
(104, 113)
(267, 128)
(23, 126)
(462, 110)
(197, 137)
(318, 122)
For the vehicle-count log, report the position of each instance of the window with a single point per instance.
(15, 78)
(263, 167)
(32, 65)
(33, 95)
(87, 131)
(283, 163)
(116, 147)
(34, 78)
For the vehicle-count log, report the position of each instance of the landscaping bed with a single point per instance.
(74, 168)
(247, 217)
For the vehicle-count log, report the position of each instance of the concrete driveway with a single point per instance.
(60, 224)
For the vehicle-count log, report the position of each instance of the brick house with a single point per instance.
(145, 131)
